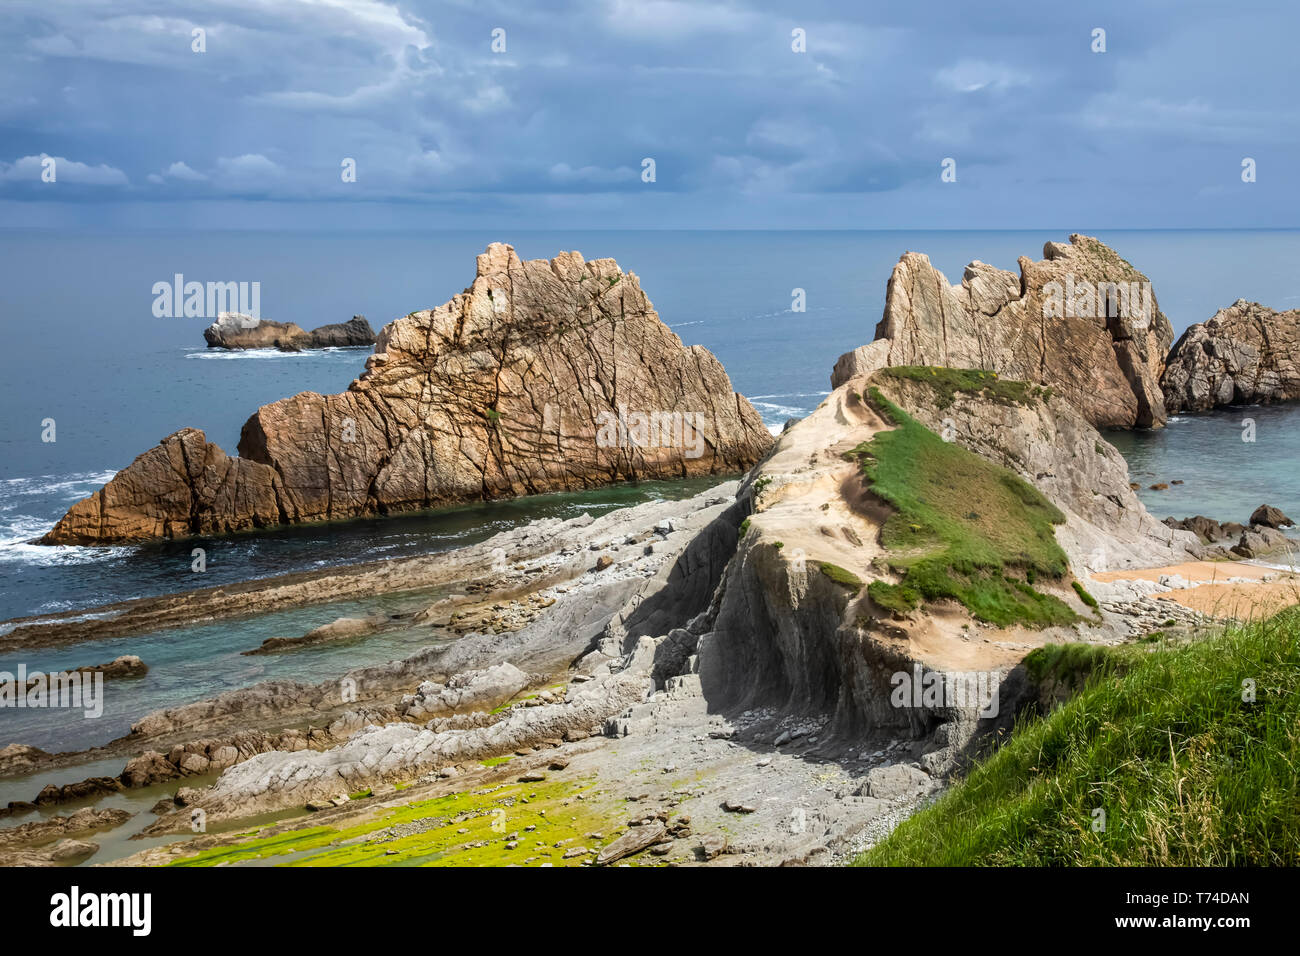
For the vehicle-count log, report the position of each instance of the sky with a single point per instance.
(542, 114)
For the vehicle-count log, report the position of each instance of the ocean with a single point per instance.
(83, 348)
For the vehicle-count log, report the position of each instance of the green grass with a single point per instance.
(962, 528)
(1084, 596)
(898, 598)
(841, 576)
(949, 382)
(744, 527)
(1187, 772)
(1072, 664)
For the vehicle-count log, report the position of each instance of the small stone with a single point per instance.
(66, 850)
(712, 846)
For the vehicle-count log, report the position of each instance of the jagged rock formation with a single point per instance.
(234, 330)
(1082, 321)
(1257, 538)
(741, 631)
(749, 624)
(541, 376)
(1270, 517)
(183, 486)
(785, 634)
(1246, 354)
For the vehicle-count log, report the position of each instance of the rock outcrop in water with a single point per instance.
(233, 330)
(541, 376)
(1082, 321)
(1247, 354)
(185, 485)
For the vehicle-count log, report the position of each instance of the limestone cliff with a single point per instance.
(794, 626)
(1245, 354)
(1081, 320)
(541, 376)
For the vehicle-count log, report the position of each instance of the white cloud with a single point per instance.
(249, 172)
(29, 169)
(178, 170)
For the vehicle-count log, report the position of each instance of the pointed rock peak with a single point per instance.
(498, 258)
(1082, 320)
(545, 375)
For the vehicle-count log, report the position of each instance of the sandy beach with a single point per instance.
(1221, 589)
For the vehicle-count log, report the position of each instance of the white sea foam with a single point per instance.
(226, 354)
(18, 527)
(48, 609)
(74, 487)
(782, 411)
(17, 531)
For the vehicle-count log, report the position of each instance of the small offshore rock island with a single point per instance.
(775, 670)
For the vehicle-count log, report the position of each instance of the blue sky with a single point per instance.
(744, 131)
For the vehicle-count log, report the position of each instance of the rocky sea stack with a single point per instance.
(234, 330)
(1246, 354)
(541, 376)
(1082, 321)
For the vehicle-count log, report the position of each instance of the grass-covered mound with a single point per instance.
(1159, 738)
(948, 382)
(963, 527)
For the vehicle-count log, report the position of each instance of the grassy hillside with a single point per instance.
(1159, 737)
(962, 528)
(948, 382)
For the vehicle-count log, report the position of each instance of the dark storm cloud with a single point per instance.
(743, 131)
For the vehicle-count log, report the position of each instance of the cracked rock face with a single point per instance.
(1246, 354)
(1082, 320)
(541, 376)
(184, 485)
